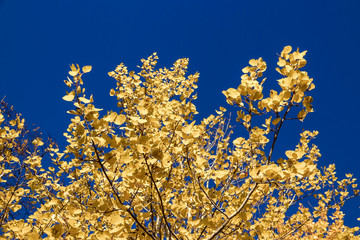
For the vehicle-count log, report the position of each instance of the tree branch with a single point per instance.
(234, 214)
(116, 194)
(160, 198)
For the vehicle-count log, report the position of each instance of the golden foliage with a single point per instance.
(147, 170)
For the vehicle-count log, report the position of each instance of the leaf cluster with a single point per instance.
(147, 170)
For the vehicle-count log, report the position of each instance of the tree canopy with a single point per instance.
(148, 170)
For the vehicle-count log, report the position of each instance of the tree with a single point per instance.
(147, 170)
(21, 152)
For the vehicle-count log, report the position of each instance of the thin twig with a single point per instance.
(234, 214)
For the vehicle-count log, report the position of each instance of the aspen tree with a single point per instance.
(148, 170)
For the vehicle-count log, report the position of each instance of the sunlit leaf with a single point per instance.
(86, 69)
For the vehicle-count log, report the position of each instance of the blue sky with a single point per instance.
(39, 39)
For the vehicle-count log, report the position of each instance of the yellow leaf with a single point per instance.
(116, 218)
(281, 62)
(84, 100)
(239, 142)
(111, 117)
(73, 73)
(287, 49)
(73, 67)
(218, 112)
(291, 154)
(246, 69)
(120, 119)
(247, 118)
(276, 121)
(256, 174)
(312, 86)
(232, 93)
(68, 83)
(53, 202)
(70, 96)
(301, 115)
(253, 62)
(20, 192)
(112, 92)
(16, 208)
(157, 153)
(300, 167)
(142, 110)
(188, 128)
(37, 142)
(142, 121)
(221, 173)
(86, 69)
(100, 141)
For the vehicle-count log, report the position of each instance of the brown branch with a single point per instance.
(160, 198)
(234, 214)
(172, 136)
(294, 230)
(49, 223)
(111, 183)
(276, 134)
(117, 195)
(202, 189)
